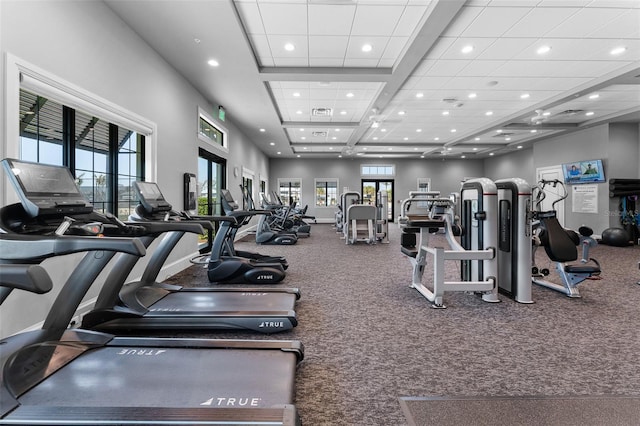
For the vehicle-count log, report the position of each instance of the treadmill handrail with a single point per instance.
(32, 278)
(22, 247)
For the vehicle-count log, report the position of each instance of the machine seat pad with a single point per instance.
(411, 252)
(582, 269)
(426, 223)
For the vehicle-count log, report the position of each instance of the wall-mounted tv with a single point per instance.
(583, 172)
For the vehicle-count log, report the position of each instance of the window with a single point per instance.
(211, 133)
(326, 192)
(290, 191)
(104, 158)
(377, 170)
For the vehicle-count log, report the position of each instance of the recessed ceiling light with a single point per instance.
(436, 139)
(415, 149)
(418, 130)
(390, 149)
(303, 138)
(401, 113)
(302, 130)
(477, 139)
(375, 138)
(263, 130)
(367, 48)
(445, 112)
(453, 130)
(472, 95)
(337, 130)
(524, 96)
(272, 143)
(278, 152)
(213, 62)
(507, 139)
(289, 47)
(590, 113)
(383, 130)
(330, 148)
(197, 40)
(419, 95)
(491, 153)
(296, 94)
(475, 149)
(449, 149)
(422, 156)
(298, 112)
(499, 130)
(618, 50)
(534, 131)
(365, 148)
(594, 96)
(488, 113)
(546, 113)
(349, 95)
(543, 49)
(406, 139)
(343, 112)
(305, 148)
(467, 49)
(334, 138)
(464, 156)
(340, 156)
(298, 155)
(519, 146)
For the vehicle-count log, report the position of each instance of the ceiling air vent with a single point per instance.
(319, 134)
(571, 112)
(321, 112)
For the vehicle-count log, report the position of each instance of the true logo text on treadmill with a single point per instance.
(265, 277)
(271, 324)
(142, 352)
(233, 402)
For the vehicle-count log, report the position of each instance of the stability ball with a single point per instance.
(615, 237)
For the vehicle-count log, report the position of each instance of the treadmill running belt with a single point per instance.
(210, 302)
(169, 377)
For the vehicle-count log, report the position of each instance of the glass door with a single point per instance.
(211, 179)
(370, 187)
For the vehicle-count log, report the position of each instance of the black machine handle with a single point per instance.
(161, 227)
(31, 278)
(35, 247)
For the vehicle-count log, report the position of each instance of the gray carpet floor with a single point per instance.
(371, 339)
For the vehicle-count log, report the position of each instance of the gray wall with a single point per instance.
(445, 176)
(87, 45)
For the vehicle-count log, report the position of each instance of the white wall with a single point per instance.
(85, 43)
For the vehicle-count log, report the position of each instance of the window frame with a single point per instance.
(223, 149)
(21, 74)
(326, 181)
(281, 181)
(391, 167)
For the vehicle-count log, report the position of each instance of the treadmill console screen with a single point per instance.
(150, 197)
(46, 189)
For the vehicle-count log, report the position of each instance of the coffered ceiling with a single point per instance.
(402, 78)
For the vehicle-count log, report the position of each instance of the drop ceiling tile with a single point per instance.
(290, 62)
(562, 84)
(394, 48)
(326, 46)
(386, 63)
(445, 68)
(284, 18)
(375, 20)
(266, 61)
(335, 19)
(584, 22)
(494, 21)
(543, 69)
(361, 63)
(480, 68)
(426, 83)
(326, 62)
(625, 26)
(539, 21)
(440, 47)
(260, 45)
(411, 16)
(564, 3)
(506, 48)
(250, 16)
(454, 51)
(564, 49)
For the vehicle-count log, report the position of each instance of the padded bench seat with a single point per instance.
(582, 269)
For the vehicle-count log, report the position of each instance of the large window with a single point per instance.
(377, 170)
(290, 191)
(104, 158)
(326, 192)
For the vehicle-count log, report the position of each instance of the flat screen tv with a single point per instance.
(590, 171)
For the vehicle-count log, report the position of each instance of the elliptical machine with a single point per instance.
(561, 246)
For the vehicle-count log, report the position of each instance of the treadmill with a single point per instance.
(66, 376)
(149, 305)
